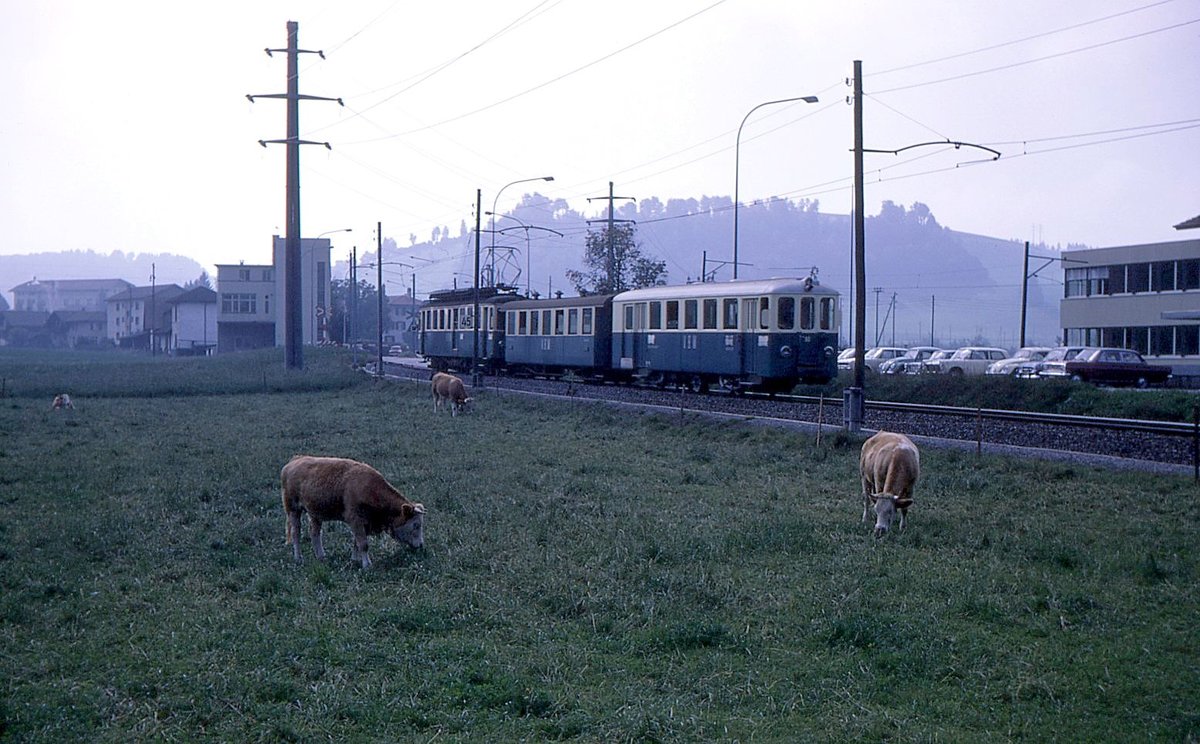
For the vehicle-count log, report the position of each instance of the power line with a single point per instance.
(1003, 44)
(1039, 59)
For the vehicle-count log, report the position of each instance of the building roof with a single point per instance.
(78, 316)
(202, 295)
(81, 285)
(163, 292)
(1189, 224)
(25, 318)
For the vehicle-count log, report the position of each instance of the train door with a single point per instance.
(633, 335)
(753, 320)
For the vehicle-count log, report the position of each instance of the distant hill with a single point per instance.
(131, 267)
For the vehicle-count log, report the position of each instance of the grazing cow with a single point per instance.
(447, 387)
(890, 465)
(337, 489)
(62, 400)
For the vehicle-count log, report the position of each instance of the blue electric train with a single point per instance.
(763, 334)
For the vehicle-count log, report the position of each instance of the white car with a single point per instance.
(1024, 355)
(969, 360)
(873, 357)
(910, 363)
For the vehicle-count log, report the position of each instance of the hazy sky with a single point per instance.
(125, 125)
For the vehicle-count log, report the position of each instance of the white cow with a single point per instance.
(890, 465)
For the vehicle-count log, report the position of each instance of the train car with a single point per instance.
(560, 335)
(447, 331)
(763, 334)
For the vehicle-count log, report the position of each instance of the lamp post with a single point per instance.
(737, 152)
(527, 228)
(492, 250)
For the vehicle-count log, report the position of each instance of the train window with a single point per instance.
(672, 314)
(786, 315)
(573, 322)
(828, 313)
(533, 323)
(710, 313)
(522, 323)
(455, 319)
(764, 313)
(629, 317)
(729, 313)
(546, 322)
(689, 314)
(656, 315)
(558, 322)
(587, 322)
(512, 324)
(807, 321)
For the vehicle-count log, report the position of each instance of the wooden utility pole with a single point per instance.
(379, 282)
(293, 298)
(853, 403)
(1024, 293)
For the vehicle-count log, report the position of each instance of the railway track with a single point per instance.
(1152, 445)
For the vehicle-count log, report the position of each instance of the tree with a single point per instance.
(366, 318)
(625, 268)
(200, 281)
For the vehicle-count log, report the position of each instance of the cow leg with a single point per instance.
(293, 534)
(359, 552)
(314, 526)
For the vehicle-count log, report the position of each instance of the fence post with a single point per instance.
(978, 431)
(1196, 444)
(820, 417)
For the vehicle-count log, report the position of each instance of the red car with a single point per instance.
(1115, 367)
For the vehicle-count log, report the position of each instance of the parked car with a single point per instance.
(1106, 366)
(910, 363)
(1054, 364)
(936, 356)
(1012, 364)
(873, 357)
(969, 360)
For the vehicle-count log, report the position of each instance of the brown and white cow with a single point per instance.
(335, 489)
(890, 465)
(61, 401)
(448, 388)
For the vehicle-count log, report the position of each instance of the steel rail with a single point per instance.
(1169, 428)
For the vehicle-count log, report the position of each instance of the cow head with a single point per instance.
(886, 507)
(409, 525)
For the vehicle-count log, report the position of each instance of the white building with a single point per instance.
(140, 317)
(246, 315)
(316, 296)
(194, 322)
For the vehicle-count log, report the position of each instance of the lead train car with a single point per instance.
(767, 334)
(447, 328)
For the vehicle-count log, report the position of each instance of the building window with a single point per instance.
(1112, 337)
(1116, 279)
(1138, 278)
(1187, 340)
(1162, 340)
(1138, 339)
(244, 275)
(239, 303)
(1163, 276)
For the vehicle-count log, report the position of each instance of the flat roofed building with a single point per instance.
(50, 295)
(247, 306)
(1140, 297)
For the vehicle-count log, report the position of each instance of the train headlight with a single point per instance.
(829, 352)
(785, 351)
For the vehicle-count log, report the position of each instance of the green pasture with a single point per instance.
(589, 575)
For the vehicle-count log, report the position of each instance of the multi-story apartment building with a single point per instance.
(399, 329)
(86, 295)
(140, 317)
(246, 314)
(1140, 297)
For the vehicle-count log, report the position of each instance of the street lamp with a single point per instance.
(492, 250)
(527, 228)
(737, 151)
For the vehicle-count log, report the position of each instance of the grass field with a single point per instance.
(589, 575)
